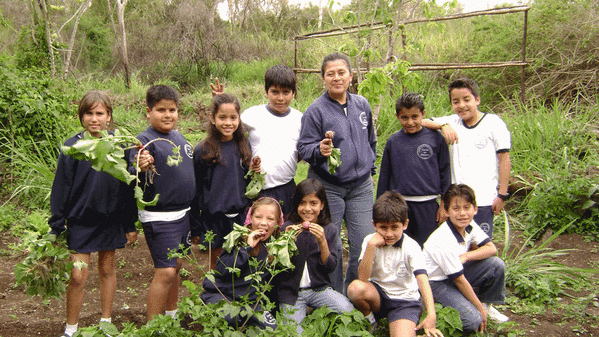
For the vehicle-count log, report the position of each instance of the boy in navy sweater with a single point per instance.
(166, 225)
(416, 165)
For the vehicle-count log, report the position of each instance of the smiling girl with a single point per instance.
(98, 211)
(319, 252)
(231, 281)
(221, 161)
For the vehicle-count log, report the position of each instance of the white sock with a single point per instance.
(370, 318)
(171, 313)
(71, 329)
(107, 320)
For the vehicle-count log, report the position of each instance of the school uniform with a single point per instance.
(442, 256)
(416, 165)
(96, 208)
(220, 198)
(394, 271)
(232, 286)
(166, 224)
(474, 160)
(309, 283)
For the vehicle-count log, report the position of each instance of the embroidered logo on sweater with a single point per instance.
(188, 150)
(424, 151)
(363, 118)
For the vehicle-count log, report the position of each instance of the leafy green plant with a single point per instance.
(326, 323)
(256, 183)
(107, 154)
(534, 274)
(47, 267)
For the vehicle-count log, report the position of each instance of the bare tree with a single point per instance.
(121, 36)
(77, 15)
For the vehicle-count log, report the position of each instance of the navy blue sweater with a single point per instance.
(175, 184)
(415, 164)
(83, 195)
(309, 252)
(230, 284)
(221, 186)
(354, 136)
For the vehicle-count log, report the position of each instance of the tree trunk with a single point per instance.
(121, 4)
(67, 60)
(44, 9)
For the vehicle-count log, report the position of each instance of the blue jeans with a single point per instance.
(487, 277)
(315, 299)
(355, 207)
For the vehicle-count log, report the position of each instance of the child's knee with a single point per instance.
(78, 277)
(356, 290)
(471, 320)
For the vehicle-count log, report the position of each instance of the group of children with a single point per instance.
(206, 192)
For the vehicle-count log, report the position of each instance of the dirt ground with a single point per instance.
(21, 315)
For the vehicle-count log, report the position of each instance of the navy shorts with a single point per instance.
(395, 309)
(484, 219)
(164, 236)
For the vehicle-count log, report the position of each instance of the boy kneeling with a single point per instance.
(391, 272)
(460, 257)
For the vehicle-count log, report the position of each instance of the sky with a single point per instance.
(469, 5)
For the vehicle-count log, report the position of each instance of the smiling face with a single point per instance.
(95, 119)
(309, 208)
(337, 78)
(264, 218)
(465, 104)
(163, 116)
(279, 98)
(226, 120)
(461, 212)
(391, 232)
(411, 119)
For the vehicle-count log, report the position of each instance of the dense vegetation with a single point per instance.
(178, 42)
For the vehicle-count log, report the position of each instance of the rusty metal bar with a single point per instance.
(523, 74)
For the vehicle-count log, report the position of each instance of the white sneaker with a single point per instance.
(494, 314)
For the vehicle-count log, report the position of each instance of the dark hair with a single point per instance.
(465, 83)
(282, 76)
(90, 100)
(409, 100)
(211, 151)
(390, 207)
(269, 201)
(304, 188)
(156, 93)
(334, 57)
(461, 190)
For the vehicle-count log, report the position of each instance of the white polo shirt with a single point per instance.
(395, 267)
(474, 158)
(443, 248)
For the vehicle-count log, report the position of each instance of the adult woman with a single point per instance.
(350, 191)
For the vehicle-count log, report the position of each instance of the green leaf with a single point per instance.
(334, 160)
(139, 196)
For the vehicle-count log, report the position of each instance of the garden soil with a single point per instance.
(24, 316)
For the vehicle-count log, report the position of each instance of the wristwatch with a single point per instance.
(503, 197)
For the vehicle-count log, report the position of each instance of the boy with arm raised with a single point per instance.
(479, 150)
